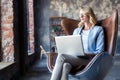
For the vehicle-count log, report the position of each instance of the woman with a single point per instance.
(93, 43)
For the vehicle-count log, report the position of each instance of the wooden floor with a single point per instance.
(40, 72)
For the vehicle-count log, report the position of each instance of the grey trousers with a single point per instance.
(64, 63)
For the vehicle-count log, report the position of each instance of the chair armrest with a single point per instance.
(90, 55)
(51, 58)
(97, 68)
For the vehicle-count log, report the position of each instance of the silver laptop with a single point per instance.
(71, 45)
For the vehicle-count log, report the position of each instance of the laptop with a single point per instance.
(71, 44)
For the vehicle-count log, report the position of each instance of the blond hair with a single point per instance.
(90, 13)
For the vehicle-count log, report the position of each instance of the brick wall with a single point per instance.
(70, 8)
(31, 26)
(7, 30)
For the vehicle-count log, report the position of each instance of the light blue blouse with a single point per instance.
(95, 39)
(85, 34)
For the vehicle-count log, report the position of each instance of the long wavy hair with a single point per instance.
(90, 13)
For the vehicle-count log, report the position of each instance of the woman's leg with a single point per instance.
(57, 71)
(64, 58)
(66, 69)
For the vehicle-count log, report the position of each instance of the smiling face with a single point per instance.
(87, 15)
(84, 17)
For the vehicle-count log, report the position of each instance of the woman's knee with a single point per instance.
(67, 65)
(60, 58)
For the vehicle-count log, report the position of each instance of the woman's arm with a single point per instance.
(100, 42)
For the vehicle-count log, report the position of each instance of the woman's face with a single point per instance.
(84, 17)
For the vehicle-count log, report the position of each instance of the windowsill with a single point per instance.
(5, 64)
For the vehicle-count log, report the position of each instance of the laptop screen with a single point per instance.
(71, 45)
